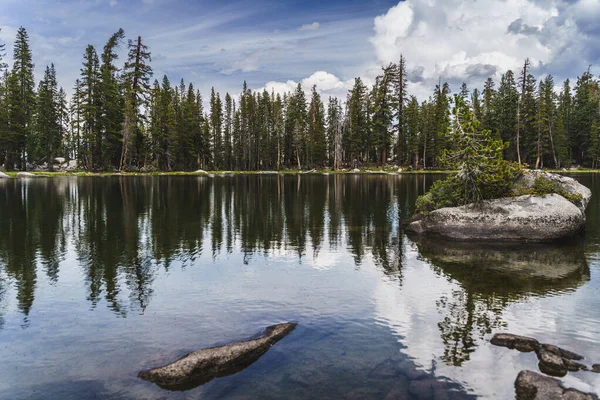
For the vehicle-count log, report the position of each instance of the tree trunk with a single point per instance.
(539, 148)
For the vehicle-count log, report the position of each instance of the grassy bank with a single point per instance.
(369, 171)
(382, 171)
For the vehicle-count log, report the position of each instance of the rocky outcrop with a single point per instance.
(525, 218)
(4, 176)
(570, 185)
(533, 386)
(519, 219)
(199, 367)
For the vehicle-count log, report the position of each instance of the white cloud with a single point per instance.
(310, 27)
(458, 41)
(468, 41)
(327, 85)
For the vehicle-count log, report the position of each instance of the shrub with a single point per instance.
(543, 186)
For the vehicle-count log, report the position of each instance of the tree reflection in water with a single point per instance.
(126, 230)
(492, 276)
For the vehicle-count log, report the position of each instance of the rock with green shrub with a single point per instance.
(492, 199)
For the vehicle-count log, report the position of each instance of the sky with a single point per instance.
(276, 44)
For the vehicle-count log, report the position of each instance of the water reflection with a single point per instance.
(125, 229)
(492, 276)
(167, 256)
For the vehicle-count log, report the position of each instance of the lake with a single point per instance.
(101, 277)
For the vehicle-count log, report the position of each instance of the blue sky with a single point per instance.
(276, 44)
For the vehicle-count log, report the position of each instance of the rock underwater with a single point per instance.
(199, 367)
(522, 218)
(533, 386)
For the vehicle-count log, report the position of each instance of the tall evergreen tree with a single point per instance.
(111, 104)
(20, 102)
(136, 76)
(316, 131)
(228, 133)
(47, 138)
(91, 140)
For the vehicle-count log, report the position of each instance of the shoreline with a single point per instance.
(13, 174)
(324, 172)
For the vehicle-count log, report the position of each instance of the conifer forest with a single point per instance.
(118, 116)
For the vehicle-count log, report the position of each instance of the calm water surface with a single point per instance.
(103, 277)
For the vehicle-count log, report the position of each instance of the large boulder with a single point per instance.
(201, 366)
(4, 176)
(519, 218)
(524, 218)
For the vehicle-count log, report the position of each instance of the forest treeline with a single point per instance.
(118, 118)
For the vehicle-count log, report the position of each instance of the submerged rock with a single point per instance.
(522, 343)
(551, 363)
(199, 367)
(533, 386)
(521, 219)
(553, 360)
(569, 355)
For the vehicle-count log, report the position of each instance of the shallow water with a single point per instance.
(102, 277)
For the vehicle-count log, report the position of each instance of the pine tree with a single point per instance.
(585, 111)
(357, 119)
(111, 104)
(278, 128)
(91, 137)
(228, 133)
(487, 113)
(522, 84)
(296, 125)
(216, 126)
(413, 130)
(20, 102)
(505, 109)
(137, 74)
(47, 137)
(401, 96)
(334, 132)
(382, 115)
(316, 130)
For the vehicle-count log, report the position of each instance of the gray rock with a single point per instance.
(29, 175)
(571, 185)
(199, 367)
(596, 368)
(71, 165)
(525, 218)
(522, 218)
(574, 366)
(522, 343)
(551, 363)
(533, 386)
(59, 160)
(4, 176)
(569, 355)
